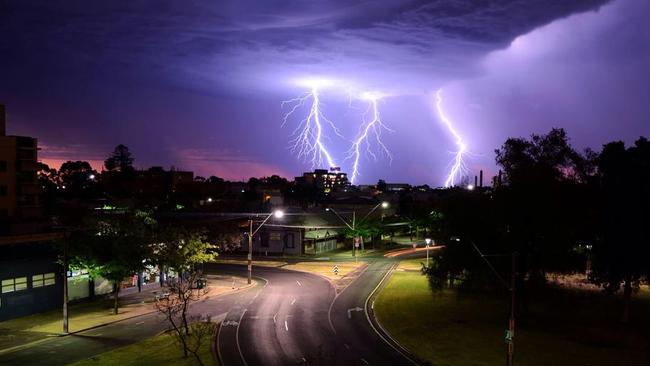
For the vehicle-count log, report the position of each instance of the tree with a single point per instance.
(174, 304)
(183, 250)
(541, 200)
(77, 177)
(621, 256)
(49, 181)
(119, 160)
(114, 246)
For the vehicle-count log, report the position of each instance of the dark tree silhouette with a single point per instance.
(621, 257)
(119, 160)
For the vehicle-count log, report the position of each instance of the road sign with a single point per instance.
(415, 245)
(357, 242)
(508, 337)
(336, 270)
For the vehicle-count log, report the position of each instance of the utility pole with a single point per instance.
(511, 324)
(65, 286)
(250, 250)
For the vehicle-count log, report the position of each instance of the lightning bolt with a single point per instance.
(458, 165)
(369, 129)
(307, 141)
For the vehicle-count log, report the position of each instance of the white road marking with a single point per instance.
(293, 301)
(138, 323)
(346, 345)
(304, 359)
(274, 315)
(350, 310)
(372, 306)
(286, 326)
(299, 284)
(364, 361)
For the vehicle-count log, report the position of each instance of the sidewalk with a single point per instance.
(82, 316)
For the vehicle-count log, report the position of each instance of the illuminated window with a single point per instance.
(44, 279)
(14, 284)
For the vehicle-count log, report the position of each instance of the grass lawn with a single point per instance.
(160, 350)
(411, 264)
(561, 327)
(326, 268)
(256, 262)
(347, 254)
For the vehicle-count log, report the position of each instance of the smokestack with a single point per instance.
(475, 181)
(480, 179)
(2, 120)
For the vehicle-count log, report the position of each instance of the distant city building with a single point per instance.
(328, 181)
(397, 187)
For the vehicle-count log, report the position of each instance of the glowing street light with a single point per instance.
(428, 241)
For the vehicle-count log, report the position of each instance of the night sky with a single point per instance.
(198, 85)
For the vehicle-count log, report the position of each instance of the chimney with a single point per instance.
(475, 181)
(2, 120)
(480, 179)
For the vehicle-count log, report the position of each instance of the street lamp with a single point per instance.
(428, 241)
(278, 214)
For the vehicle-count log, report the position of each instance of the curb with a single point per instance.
(381, 332)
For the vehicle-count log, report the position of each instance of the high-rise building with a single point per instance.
(328, 181)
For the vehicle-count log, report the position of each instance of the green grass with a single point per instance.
(326, 268)
(561, 327)
(160, 350)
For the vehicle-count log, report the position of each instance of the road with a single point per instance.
(289, 318)
(296, 318)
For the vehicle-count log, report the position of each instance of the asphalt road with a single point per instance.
(297, 319)
(289, 318)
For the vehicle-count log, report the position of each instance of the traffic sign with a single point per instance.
(508, 337)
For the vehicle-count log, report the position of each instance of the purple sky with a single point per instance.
(200, 86)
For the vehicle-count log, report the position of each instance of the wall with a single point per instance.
(18, 261)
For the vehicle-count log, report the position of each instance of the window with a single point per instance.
(14, 284)
(44, 279)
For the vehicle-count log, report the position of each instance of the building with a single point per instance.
(31, 279)
(19, 190)
(276, 241)
(328, 181)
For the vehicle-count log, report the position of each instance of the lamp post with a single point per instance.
(427, 241)
(278, 215)
(353, 227)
